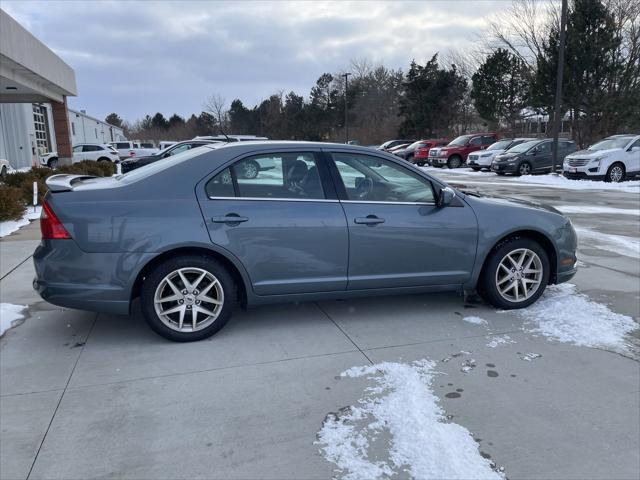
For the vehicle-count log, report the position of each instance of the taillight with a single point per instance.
(50, 226)
(132, 154)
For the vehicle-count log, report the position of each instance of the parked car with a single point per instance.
(99, 152)
(456, 152)
(531, 157)
(407, 152)
(482, 160)
(165, 144)
(137, 162)
(398, 148)
(421, 152)
(191, 238)
(134, 149)
(389, 144)
(613, 159)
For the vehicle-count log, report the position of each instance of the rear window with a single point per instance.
(155, 167)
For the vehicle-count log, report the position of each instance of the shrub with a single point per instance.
(20, 184)
(11, 203)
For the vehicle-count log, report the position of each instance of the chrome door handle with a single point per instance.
(229, 218)
(369, 220)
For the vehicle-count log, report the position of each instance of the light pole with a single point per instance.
(346, 116)
(557, 121)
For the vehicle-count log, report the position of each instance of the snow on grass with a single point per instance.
(501, 340)
(620, 244)
(585, 209)
(475, 320)
(9, 315)
(421, 442)
(563, 182)
(10, 226)
(565, 315)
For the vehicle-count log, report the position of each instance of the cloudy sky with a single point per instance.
(141, 57)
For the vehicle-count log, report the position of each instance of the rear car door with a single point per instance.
(398, 237)
(285, 225)
(90, 152)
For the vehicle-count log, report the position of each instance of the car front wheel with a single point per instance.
(53, 163)
(615, 173)
(524, 168)
(188, 298)
(515, 274)
(454, 162)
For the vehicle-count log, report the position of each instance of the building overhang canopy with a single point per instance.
(29, 71)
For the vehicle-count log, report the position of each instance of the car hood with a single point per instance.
(475, 196)
(593, 153)
(506, 155)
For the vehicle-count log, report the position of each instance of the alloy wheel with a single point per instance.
(250, 170)
(188, 299)
(616, 174)
(524, 169)
(519, 275)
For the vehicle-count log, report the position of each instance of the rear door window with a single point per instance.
(270, 176)
(488, 139)
(477, 141)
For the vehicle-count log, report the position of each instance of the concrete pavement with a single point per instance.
(85, 395)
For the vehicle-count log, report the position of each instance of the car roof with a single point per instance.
(289, 144)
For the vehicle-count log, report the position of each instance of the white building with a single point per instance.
(86, 129)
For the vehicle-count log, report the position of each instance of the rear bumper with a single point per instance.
(101, 282)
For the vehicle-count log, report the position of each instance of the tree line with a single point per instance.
(509, 75)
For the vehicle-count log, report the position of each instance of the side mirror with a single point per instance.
(445, 197)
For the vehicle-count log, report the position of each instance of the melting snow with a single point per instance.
(527, 357)
(497, 341)
(585, 209)
(468, 365)
(9, 314)
(422, 442)
(10, 226)
(565, 315)
(622, 245)
(475, 320)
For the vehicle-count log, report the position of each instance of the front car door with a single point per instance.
(285, 225)
(398, 237)
(541, 156)
(77, 154)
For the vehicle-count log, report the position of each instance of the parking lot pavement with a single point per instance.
(86, 395)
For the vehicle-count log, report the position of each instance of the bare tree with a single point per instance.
(216, 106)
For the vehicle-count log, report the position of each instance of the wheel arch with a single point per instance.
(237, 272)
(545, 242)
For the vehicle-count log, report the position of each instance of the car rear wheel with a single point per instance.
(476, 169)
(616, 173)
(524, 168)
(515, 274)
(52, 163)
(454, 161)
(249, 169)
(104, 159)
(188, 298)
(3, 172)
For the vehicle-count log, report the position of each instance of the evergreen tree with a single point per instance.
(114, 119)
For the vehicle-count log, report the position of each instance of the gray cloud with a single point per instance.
(141, 57)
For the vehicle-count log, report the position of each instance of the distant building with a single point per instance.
(27, 131)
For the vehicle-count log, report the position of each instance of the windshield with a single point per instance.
(500, 145)
(461, 140)
(415, 145)
(155, 167)
(523, 147)
(607, 143)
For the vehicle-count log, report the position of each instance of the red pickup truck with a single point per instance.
(455, 153)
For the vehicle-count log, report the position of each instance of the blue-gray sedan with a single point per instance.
(194, 234)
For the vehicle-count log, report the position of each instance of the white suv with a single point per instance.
(613, 159)
(84, 151)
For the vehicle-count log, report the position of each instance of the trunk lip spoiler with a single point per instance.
(64, 182)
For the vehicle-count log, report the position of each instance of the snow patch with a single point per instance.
(475, 320)
(567, 316)
(527, 357)
(622, 245)
(502, 340)
(468, 365)
(10, 226)
(422, 443)
(9, 315)
(585, 209)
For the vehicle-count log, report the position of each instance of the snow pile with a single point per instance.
(565, 315)
(475, 320)
(562, 182)
(421, 442)
(9, 314)
(620, 244)
(497, 341)
(585, 209)
(10, 226)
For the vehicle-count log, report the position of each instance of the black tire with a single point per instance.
(3, 172)
(476, 169)
(502, 174)
(52, 163)
(154, 279)
(524, 169)
(455, 161)
(616, 173)
(487, 284)
(104, 159)
(420, 163)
